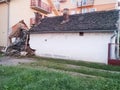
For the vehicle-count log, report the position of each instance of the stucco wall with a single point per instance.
(98, 2)
(68, 4)
(101, 7)
(90, 47)
(20, 9)
(3, 24)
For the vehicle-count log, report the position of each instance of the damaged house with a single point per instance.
(83, 37)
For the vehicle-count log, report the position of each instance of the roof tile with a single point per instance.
(103, 21)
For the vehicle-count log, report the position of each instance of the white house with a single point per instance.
(84, 37)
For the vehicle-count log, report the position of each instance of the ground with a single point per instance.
(36, 73)
(10, 61)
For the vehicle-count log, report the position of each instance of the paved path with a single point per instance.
(10, 61)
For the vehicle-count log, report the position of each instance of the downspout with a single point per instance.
(110, 52)
(118, 37)
(116, 45)
(114, 35)
(8, 19)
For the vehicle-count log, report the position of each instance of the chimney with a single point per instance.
(119, 3)
(38, 18)
(65, 15)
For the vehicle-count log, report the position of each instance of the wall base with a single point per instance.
(114, 62)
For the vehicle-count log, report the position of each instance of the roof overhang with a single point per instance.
(85, 31)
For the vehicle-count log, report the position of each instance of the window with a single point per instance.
(57, 5)
(73, 1)
(81, 33)
(79, 4)
(118, 5)
(92, 9)
(84, 2)
(73, 12)
(84, 10)
(91, 0)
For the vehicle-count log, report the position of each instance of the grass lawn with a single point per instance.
(0, 55)
(50, 74)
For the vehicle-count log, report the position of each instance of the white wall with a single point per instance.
(3, 24)
(90, 47)
(20, 9)
(98, 2)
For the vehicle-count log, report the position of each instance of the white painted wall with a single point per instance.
(20, 9)
(3, 24)
(98, 2)
(90, 47)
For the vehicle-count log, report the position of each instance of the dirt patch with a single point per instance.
(13, 61)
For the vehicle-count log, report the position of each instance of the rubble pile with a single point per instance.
(20, 46)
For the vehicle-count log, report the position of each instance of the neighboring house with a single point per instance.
(3, 23)
(12, 11)
(83, 6)
(85, 37)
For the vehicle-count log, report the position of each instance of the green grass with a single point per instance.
(81, 69)
(82, 63)
(50, 74)
(25, 78)
(0, 55)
